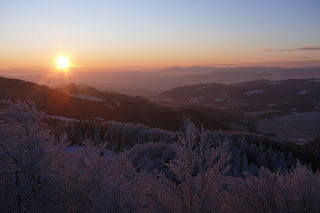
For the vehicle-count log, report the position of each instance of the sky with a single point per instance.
(149, 34)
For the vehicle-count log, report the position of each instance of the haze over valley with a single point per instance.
(146, 83)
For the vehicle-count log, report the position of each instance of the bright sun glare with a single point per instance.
(63, 63)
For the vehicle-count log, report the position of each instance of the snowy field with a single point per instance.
(297, 127)
(80, 150)
(60, 118)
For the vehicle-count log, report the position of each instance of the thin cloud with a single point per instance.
(268, 50)
(305, 48)
(302, 57)
(295, 49)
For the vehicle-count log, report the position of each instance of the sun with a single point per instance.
(63, 63)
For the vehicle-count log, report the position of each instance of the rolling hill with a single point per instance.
(82, 102)
(286, 109)
(293, 95)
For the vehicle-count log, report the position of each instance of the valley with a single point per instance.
(285, 109)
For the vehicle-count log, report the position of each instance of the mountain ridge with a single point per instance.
(91, 103)
(302, 95)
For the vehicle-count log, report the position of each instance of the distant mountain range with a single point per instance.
(294, 95)
(148, 83)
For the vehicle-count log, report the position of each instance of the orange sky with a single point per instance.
(127, 35)
(157, 59)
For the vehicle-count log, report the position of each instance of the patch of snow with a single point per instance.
(317, 103)
(299, 141)
(110, 106)
(254, 92)
(302, 92)
(87, 97)
(273, 82)
(60, 118)
(194, 100)
(117, 102)
(261, 112)
(220, 99)
(315, 80)
(80, 151)
(271, 105)
(293, 127)
(226, 107)
(201, 88)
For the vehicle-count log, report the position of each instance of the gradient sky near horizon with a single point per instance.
(147, 34)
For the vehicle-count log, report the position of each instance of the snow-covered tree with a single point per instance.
(297, 191)
(199, 169)
(29, 157)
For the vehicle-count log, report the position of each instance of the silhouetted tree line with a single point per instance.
(117, 135)
(257, 150)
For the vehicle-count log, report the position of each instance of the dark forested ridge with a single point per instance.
(80, 102)
(298, 95)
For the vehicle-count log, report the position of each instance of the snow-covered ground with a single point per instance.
(272, 105)
(60, 118)
(315, 80)
(193, 100)
(297, 127)
(317, 107)
(117, 102)
(201, 88)
(110, 106)
(87, 97)
(261, 112)
(80, 150)
(273, 82)
(253, 92)
(99, 119)
(302, 92)
(221, 98)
